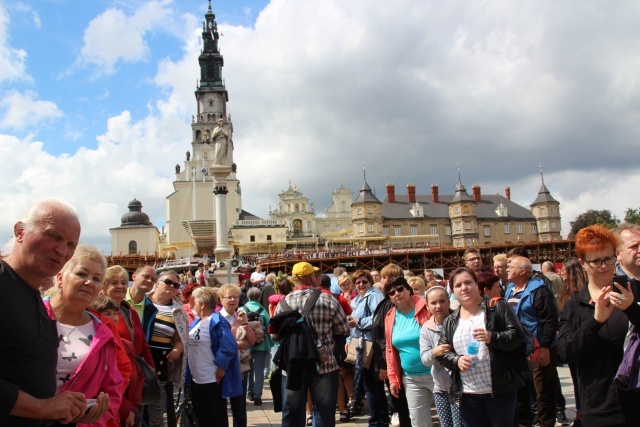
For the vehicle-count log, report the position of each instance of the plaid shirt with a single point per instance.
(327, 318)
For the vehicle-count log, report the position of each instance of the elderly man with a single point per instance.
(629, 252)
(473, 260)
(144, 279)
(43, 241)
(328, 319)
(536, 308)
(556, 281)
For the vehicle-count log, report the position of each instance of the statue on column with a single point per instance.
(177, 168)
(188, 156)
(205, 136)
(220, 138)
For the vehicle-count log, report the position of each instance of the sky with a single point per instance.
(96, 99)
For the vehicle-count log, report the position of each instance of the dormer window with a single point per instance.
(501, 211)
(417, 210)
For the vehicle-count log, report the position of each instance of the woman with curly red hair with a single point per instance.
(593, 327)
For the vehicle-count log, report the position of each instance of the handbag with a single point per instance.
(360, 344)
(185, 415)
(151, 388)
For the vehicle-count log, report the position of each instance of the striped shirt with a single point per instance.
(164, 328)
(326, 317)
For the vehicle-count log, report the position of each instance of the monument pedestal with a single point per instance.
(223, 251)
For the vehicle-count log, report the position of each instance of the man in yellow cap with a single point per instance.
(327, 319)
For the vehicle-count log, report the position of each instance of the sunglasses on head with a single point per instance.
(399, 289)
(170, 282)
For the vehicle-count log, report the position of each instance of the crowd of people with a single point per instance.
(84, 344)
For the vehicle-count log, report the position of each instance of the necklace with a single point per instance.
(65, 336)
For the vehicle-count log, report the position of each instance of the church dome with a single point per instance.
(135, 216)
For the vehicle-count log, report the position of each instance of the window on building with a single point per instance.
(534, 229)
(458, 227)
(252, 238)
(359, 211)
(397, 231)
(414, 231)
(469, 242)
(360, 229)
(385, 231)
(553, 225)
(370, 228)
(543, 211)
(544, 225)
(487, 231)
(447, 231)
(434, 229)
(370, 210)
(552, 210)
(268, 237)
(210, 103)
(457, 209)
(507, 229)
(133, 247)
(467, 226)
(519, 228)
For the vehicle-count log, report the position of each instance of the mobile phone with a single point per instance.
(89, 406)
(621, 280)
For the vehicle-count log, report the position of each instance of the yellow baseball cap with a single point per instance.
(303, 269)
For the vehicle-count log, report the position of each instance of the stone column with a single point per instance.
(223, 250)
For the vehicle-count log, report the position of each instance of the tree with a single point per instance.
(593, 217)
(632, 216)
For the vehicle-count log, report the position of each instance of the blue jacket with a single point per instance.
(526, 309)
(225, 354)
(363, 309)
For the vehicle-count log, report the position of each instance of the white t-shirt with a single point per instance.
(477, 381)
(71, 355)
(258, 277)
(201, 359)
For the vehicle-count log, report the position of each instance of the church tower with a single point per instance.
(546, 210)
(191, 213)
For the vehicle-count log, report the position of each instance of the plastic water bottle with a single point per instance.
(472, 350)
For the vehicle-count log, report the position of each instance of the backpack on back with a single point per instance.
(531, 344)
(255, 321)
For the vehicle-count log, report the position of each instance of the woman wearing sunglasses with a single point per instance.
(165, 325)
(404, 366)
(593, 326)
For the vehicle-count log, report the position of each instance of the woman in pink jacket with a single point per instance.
(404, 366)
(87, 349)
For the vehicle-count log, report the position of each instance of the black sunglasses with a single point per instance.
(170, 282)
(399, 289)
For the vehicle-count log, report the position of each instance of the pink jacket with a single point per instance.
(394, 369)
(98, 372)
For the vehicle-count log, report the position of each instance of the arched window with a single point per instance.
(198, 135)
(133, 247)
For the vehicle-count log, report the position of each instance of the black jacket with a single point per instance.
(506, 349)
(595, 350)
(377, 330)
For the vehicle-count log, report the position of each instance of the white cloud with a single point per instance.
(27, 9)
(411, 89)
(113, 36)
(21, 110)
(12, 60)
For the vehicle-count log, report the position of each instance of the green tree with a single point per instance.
(632, 216)
(593, 217)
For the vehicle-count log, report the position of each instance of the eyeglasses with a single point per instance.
(170, 282)
(362, 282)
(596, 263)
(474, 259)
(399, 289)
(231, 297)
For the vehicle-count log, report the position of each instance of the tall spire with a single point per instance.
(364, 170)
(541, 174)
(211, 61)
(459, 179)
(544, 195)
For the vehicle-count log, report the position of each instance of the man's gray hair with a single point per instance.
(548, 265)
(37, 213)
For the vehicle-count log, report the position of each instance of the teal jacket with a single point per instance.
(256, 307)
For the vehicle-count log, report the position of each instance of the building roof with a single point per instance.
(461, 194)
(244, 215)
(544, 196)
(366, 195)
(485, 208)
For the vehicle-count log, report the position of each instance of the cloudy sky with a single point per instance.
(96, 99)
